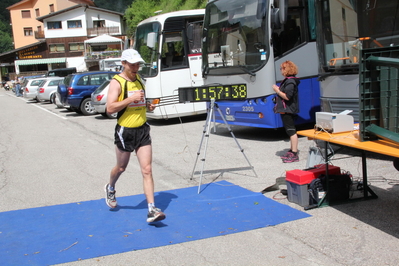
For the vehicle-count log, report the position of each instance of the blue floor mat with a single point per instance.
(84, 230)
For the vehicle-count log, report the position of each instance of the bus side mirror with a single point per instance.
(151, 39)
(283, 6)
(261, 10)
(190, 31)
(275, 19)
(279, 15)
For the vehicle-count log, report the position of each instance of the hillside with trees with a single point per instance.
(114, 5)
(142, 9)
(138, 10)
(6, 42)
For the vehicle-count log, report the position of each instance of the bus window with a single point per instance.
(292, 33)
(173, 52)
(148, 34)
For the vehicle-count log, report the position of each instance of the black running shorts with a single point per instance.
(130, 139)
(289, 123)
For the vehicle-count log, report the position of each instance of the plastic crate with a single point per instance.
(298, 194)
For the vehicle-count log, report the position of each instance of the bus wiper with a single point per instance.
(249, 72)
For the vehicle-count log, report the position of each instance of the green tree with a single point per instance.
(5, 42)
(114, 5)
(138, 11)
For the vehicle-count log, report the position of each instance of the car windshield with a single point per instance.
(25, 82)
(36, 82)
(68, 80)
(102, 87)
(54, 82)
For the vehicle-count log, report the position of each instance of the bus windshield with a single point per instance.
(112, 63)
(235, 37)
(147, 39)
(348, 26)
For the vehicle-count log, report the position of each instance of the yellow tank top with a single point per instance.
(135, 113)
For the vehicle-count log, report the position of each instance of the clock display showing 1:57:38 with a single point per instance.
(222, 92)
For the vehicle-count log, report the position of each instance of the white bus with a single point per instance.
(244, 44)
(110, 64)
(170, 44)
(344, 28)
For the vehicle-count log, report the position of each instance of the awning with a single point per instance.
(39, 61)
(103, 39)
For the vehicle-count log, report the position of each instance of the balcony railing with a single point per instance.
(103, 30)
(39, 34)
(103, 54)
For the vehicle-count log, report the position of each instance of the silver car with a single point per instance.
(30, 89)
(47, 89)
(99, 100)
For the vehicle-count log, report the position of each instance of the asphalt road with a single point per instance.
(50, 156)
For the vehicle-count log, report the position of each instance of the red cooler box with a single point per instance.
(298, 181)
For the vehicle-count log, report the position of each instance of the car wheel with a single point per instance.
(52, 98)
(87, 108)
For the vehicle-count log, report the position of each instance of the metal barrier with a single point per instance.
(378, 94)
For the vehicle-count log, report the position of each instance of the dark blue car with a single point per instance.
(77, 88)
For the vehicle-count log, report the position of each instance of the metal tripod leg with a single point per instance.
(234, 137)
(205, 133)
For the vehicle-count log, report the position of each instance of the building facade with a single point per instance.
(25, 27)
(63, 40)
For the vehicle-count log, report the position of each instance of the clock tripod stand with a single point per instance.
(206, 134)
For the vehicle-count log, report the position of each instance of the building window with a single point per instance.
(28, 31)
(51, 8)
(98, 23)
(51, 25)
(37, 12)
(56, 48)
(25, 13)
(75, 47)
(74, 24)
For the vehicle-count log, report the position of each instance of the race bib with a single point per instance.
(136, 103)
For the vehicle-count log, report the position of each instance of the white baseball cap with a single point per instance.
(131, 56)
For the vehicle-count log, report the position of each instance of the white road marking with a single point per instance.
(50, 111)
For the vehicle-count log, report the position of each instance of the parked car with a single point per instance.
(57, 101)
(99, 100)
(76, 89)
(61, 72)
(48, 88)
(30, 87)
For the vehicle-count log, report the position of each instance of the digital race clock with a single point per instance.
(217, 93)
